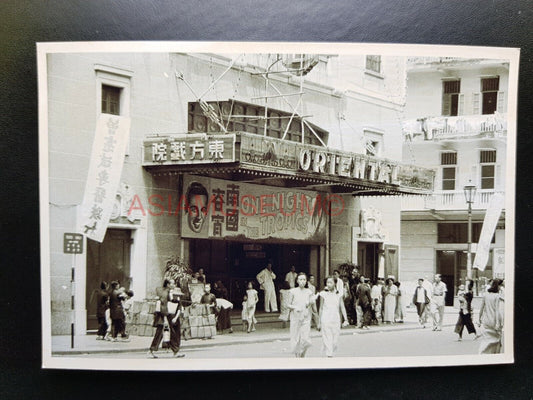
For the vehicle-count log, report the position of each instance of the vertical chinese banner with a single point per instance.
(487, 231)
(105, 169)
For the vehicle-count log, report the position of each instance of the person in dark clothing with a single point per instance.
(168, 310)
(220, 290)
(102, 304)
(465, 312)
(209, 299)
(364, 301)
(117, 312)
(351, 311)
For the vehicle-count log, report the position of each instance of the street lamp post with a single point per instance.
(470, 193)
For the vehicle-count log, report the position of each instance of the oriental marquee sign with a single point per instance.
(282, 157)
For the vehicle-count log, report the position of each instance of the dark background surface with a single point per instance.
(466, 22)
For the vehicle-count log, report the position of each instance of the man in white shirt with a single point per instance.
(291, 277)
(266, 281)
(340, 283)
(439, 294)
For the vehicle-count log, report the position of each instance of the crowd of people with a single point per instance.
(113, 304)
(347, 299)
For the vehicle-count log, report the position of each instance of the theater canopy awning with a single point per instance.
(253, 158)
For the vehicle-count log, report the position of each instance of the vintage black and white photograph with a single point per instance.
(212, 206)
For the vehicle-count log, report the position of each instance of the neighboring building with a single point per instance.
(455, 123)
(194, 127)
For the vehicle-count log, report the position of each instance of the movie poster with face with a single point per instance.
(214, 208)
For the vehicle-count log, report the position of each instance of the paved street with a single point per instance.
(417, 342)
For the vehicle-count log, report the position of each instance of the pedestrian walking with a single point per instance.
(314, 308)
(251, 301)
(439, 293)
(266, 281)
(391, 292)
(102, 304)
(421, 300)
(330, 311)
(465, 311)
(284, 299)
(398, 312)
(166, 315)
(427, 314)
(363, 303)
(244, 314)
(116, 312)
(492, 317)
(300, 326)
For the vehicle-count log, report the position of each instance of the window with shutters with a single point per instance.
(451, 97)
(487, 159)
(373, 63)
(449, 162)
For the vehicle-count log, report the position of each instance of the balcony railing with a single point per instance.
(431, 60)
(464, 126)
(446, 200)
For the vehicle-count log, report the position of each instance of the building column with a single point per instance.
(138, 261)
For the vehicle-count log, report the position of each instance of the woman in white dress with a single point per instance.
(491, 315)
(391, 292)
(331, 309)
(301, 300)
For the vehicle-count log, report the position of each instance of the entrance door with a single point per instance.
(391, 261)
(446, 261)
(106, 261)
(368, 260)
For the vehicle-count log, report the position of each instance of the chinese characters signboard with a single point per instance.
(285, 157)
(105, 168)
(189, 149)
(72, 243)
(225, 209)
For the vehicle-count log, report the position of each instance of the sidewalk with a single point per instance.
(87, 344)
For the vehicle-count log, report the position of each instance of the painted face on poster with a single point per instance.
(197, 194)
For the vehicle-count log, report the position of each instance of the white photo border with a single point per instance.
(509, 54)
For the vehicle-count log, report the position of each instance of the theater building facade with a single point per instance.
(226, 162)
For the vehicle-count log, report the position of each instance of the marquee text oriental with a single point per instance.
(356, 166)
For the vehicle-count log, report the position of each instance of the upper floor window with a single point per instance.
(373, 63)
(111, 99)
(451, 97)
(238, 116)
(113, 88)
(449, 159)
(489, 90)
(487, 159)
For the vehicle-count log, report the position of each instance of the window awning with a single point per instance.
(253, 158)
